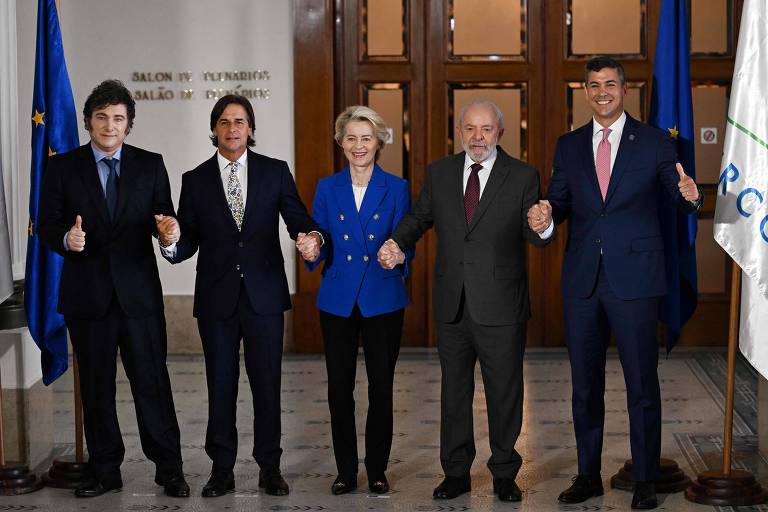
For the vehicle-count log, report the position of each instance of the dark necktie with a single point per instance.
(111, 192)
(472, 192)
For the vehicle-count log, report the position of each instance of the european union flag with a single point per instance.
(54, 130)
(672, 111)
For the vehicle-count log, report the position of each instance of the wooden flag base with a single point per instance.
(16, 479)
(66, 473)
(671, 478)
(739, 489)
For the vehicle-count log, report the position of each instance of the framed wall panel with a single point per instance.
(384, 30)
(389, 100)
(710, 109)
(711, 27)
(499, 35)
(606, 27)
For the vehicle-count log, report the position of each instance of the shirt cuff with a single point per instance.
(547, 232)
(169, 251)
(66, 244)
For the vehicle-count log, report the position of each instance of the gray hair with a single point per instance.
(361, 113)
(482, 103)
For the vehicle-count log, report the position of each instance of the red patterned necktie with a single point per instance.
(603, 162)
(472, 193)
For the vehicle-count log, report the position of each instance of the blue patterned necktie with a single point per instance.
(111, 191)
(235, 195)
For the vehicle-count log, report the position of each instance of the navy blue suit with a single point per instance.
(241, 292)
(612, 279)
(358, 298)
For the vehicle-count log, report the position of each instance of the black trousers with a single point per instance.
(500, 350)
(143, 346)
(381, 336)
(262, 337)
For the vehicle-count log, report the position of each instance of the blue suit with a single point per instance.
(359, 299)
(612, 279)
(351, 274)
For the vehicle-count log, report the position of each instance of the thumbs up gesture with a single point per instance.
(168, 229)
(76, 236)
(687, 186)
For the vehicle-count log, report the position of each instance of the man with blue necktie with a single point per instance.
(100, 205)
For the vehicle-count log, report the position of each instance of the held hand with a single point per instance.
(687, 186)
(168, 229)
(390, 255)
(309, 246)
(540, 216)
(76, 236)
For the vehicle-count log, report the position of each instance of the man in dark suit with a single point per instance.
(609, 177)
(110, 292)
(477, 201)
(229, 209)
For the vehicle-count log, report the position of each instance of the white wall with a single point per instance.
(114, 38)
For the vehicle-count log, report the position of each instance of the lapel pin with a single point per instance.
(631, 136)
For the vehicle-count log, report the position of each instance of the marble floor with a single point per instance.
(692, 383)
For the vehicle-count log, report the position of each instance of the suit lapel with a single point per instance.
(377, 189)
(215, 190)
(496, 179)
(454, 180)
(588, 162)
(90, 178)
(624, 156)
(254, 188)
(342, 190)
(129, 175)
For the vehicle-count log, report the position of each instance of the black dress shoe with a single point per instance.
(174, 485)
(583, 488)
(378, 485)
(644, 497)
(451, 487)
(272, 482)
(219, 484)
(507, 489)
(343, 485)
(94, 487)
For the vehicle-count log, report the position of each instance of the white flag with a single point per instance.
(741, 214)
(6, 274)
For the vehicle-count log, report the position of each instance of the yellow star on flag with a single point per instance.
(51, 152)
(673, 131)
(29, 229)
(38, 118)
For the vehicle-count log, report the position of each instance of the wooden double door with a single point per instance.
(417, 61)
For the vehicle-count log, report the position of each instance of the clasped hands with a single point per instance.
(308, 245)
(540, 216)
(390, 255)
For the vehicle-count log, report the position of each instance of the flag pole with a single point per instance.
(69, 472)
(729, 487)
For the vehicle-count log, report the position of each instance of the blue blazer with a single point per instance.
(351, 274)
(625, 227)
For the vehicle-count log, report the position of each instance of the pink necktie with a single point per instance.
(603, 162)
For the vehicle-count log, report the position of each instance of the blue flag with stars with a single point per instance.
(672, 111)
(54, 130)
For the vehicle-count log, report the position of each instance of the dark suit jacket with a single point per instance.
(626, 226)
(118, 258)
(486, 259)
(226, 254)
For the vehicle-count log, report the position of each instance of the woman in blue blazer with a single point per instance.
(358, 208)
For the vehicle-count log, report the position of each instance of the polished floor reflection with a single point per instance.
(692, 384)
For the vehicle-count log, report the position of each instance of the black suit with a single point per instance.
(110, 296)
(480, 301)
(241, 292)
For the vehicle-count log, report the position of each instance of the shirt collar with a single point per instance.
(617, 126)
(99, 156)
(223, 162)
(487, 163)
